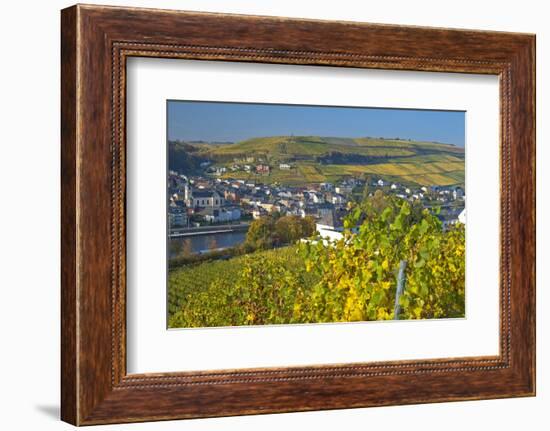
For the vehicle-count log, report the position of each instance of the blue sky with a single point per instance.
(219, 121)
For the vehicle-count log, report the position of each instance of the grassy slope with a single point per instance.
(409, 162)
(191, 279)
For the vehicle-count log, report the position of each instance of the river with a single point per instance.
(203, 243)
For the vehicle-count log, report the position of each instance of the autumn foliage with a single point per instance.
(352, 279)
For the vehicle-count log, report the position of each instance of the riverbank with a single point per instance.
(208, 230)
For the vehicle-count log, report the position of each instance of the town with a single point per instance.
(206, 204)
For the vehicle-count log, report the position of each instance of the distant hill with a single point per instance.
(206, 142)
(317, 159)
(185, 158)
(284, 147)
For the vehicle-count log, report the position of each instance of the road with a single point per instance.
(208, 230)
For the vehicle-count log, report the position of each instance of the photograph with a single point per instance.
(325, 217)
(304, 214)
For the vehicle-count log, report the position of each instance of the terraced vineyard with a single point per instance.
(316, 159)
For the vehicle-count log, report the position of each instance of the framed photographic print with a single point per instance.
(268, 226)
(265, 215)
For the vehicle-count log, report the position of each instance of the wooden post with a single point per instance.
(400, 288)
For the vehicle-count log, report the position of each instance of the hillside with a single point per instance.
(318, 159)
(185, 158)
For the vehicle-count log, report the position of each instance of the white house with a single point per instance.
(330, 227)
(327, 186)
(458, 193)
(316, 197)
(343, 189)
(338, 199)
(462, 216)
(205, 199)
(220, 170)
(222, 215)
(452, 219)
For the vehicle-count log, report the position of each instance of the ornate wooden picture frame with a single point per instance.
(96, 41)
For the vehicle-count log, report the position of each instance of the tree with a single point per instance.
(268, 231)
(260, 234)
(291, 228)
(309, 226)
